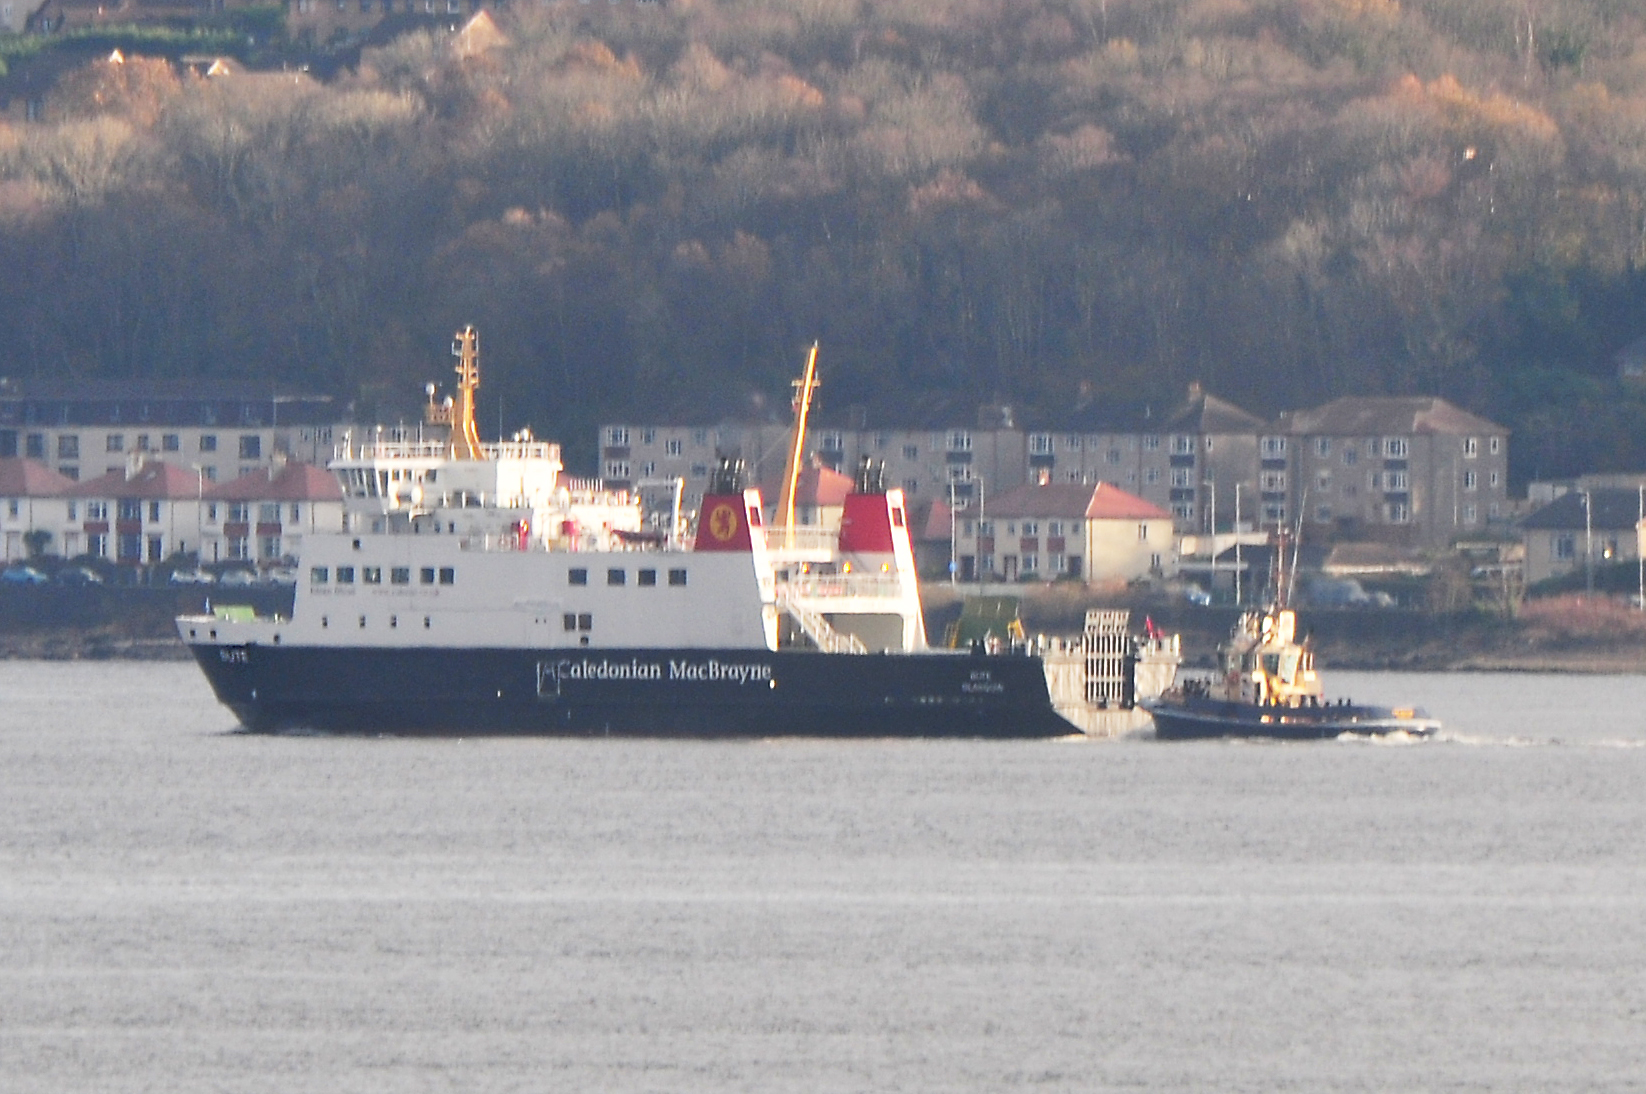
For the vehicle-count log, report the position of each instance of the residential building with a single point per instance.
(140, 513)
(1581, 528)
(262, 516)
(1415, 471)
(87, 429)
(32, 500)
(1065, 530)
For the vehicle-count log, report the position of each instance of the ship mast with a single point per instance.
(803, 389)
(465, 435)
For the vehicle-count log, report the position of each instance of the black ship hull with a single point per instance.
(648, 693)
(1199, 717)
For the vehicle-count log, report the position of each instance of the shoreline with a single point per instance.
(1556, 637)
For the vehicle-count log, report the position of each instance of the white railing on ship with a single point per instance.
(435, 450)
(805, 539)
(839, 586)
(818, 629)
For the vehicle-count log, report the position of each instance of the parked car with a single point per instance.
(22, 575)
(281, 575)
(79, 575)
(237, 578)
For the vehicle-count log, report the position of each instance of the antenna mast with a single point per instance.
(803, 389)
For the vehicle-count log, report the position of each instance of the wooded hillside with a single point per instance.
(649, 210)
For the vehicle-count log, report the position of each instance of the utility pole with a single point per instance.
(1588, 544)
(1237, 543)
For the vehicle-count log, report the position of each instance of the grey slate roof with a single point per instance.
(1612, 510)
(1377, 416)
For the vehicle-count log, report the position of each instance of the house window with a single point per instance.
(1470, 514)
(1323, 446)
(68, 447)
(1143, 533)
(1183, 510)
(1492, 445)
(1399, 512)
(700, 437)
(269, 546)
(1396, 480)
(1182, 476)
(1040, 444)
(154, 512)
(1031, 564)
(911, 452)
(1272, 482)
(1274, 448)
(131, 509)
(832, 441)
(97, 510)
(115, 442)
(1471, 447)
(251, 447)
(1113, 455)
(1072, 442)
(648, 436)
(1493, 480)
(673, 448)
(1151, 443)
(617, 469)
(1054, 528)
(1351, 455)
(170, 442)
(1469, 480)
(1274, 512)
(1182, 445)
(1323, 514)
(1395, 448)
(208, 442)
(959, 440)
(1151, 475)
(1031, 528)
(1565, 546)
(143, 442)
(617, 437)
(269, 512)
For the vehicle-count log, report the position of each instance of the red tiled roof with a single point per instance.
(153, 479)
(1074, 501)
(1110, 502)
(817, 486)
(24, 478)
(293, 482)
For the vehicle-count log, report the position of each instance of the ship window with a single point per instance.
(577, 576)
(426, 575)
(447, 575)
(319, 575)
(646, 577)
(897, 517)
(616, 577)
(400, 575)
(585, 622)
(569, 621)
(425, 622)
(677, 577)
(394, 621)
(362, 621)
(345, 575)
(371, 575)
(325, 621)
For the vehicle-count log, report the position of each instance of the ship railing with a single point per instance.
(845, 586)
(427, 449)
(807, 540)
(818, 629)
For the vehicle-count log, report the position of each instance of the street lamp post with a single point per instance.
(1588, 545)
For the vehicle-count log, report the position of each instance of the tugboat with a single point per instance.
(475, 589)
(1268, 687)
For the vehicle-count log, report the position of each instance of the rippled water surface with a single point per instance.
(184, 907)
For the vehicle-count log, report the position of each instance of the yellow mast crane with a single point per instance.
(803, 389)
(465, 434)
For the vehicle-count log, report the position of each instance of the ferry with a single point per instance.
(474, 588)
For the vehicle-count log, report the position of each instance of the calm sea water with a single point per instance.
(188, 908)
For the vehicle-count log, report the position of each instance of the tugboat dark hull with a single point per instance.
(1179, 719)
(646, 693)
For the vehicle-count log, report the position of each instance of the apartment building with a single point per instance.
(220, 431)
(1093, 533)
(1414, 471)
